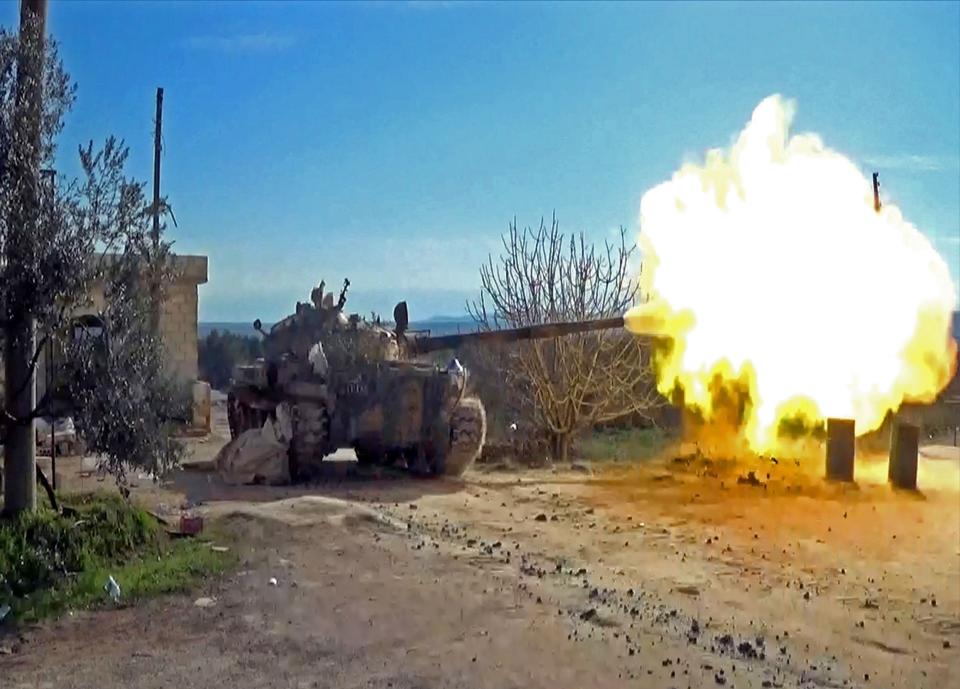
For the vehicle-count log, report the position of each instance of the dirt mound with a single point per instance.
(304, 510)
(945, 452)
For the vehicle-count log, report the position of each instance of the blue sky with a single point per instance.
(392, 143)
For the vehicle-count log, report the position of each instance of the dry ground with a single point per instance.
(674, 574)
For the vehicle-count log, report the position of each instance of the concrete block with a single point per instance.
(201, 405)
(904, 451)
(840, 449)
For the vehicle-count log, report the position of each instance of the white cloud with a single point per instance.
(912, 162)
(263, 42)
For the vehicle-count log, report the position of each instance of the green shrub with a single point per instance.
(629, 444)
(49, 561)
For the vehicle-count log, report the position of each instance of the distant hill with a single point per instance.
(236, 328)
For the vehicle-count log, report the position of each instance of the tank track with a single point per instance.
(241, 417)
(468, 432)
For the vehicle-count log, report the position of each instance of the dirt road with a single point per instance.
(679, 574)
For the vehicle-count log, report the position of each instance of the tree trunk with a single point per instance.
(561, 447)
(20, 446)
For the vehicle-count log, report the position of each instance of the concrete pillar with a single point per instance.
(201, 405)
(904, 448)
(840, 449)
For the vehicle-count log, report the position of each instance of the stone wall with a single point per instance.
(178, 322)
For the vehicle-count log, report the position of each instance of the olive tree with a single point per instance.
(567, 384)
(58, 238)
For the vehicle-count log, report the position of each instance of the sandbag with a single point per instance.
(259, 455)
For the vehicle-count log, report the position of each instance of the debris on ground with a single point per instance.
(113, 589)
(750, 479)
(190, 525)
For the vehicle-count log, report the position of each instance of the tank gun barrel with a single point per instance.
(426, 344)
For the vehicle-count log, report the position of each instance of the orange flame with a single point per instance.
(770, 269)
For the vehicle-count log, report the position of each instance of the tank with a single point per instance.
(349, 382)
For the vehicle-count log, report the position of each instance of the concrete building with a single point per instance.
(178, 321)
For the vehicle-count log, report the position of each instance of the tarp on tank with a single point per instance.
(259, 455)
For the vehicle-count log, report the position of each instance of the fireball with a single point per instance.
(772, 274)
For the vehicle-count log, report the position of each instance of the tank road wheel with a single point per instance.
(311, 437)
(468, 431)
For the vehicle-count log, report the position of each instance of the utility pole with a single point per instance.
(155, 268)
(20, 447)
(157, 145)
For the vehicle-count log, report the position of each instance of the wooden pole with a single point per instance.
(20, 448)
(876, 191)
(840, 449)
(904, 450)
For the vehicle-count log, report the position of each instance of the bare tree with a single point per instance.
(570, 383)
(59, 238)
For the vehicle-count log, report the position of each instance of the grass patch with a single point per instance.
(622, 445)
(50, 562)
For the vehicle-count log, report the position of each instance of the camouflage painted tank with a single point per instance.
(351, 383)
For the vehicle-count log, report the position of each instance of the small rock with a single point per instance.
(541, 517)
(205, 602)
(719, 679)
(272, 581)
(588, 615)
